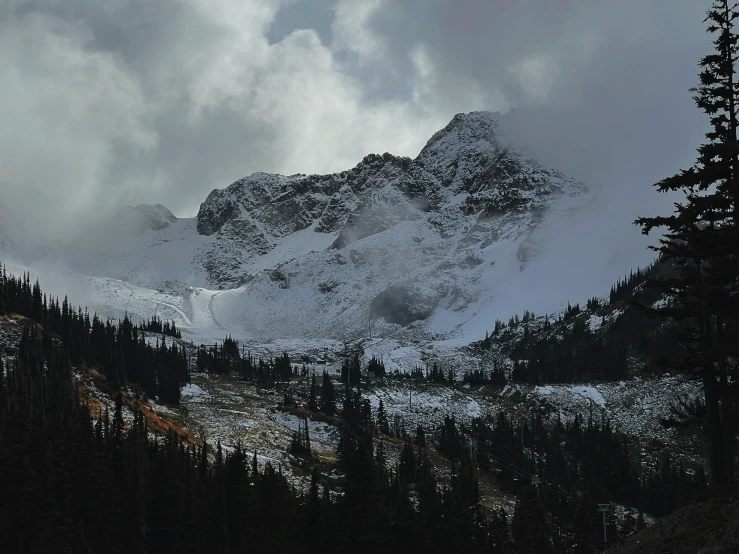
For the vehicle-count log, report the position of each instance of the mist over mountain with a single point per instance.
(431, 248)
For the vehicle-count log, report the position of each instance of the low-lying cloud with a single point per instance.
(129, 101)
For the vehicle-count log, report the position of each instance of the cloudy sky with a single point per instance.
(144, 101)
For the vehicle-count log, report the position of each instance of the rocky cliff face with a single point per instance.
(465, 170)
(154, 216)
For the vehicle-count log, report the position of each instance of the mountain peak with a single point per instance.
(155, 216)
(466, 128)
(466, 153)
(464, 171)
(481, 121)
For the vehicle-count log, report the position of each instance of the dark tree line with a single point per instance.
(432, 374)
(561, 471)
(155, 325)
(351, 371)
(120, 351)
(74, 485)
(568, 469)
(558, 473)
(79, 485)
(567, 350)
(582, 457)
(323, 400)
(377, 498)
(576, 355)
(496, 376)
(376, 367)
(624, 289)
(227, 358)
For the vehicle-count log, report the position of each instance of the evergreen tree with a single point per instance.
(530, 526)
(382, 424)
(312, 400)
(300, 444)
(585, 535)
(376, 366)
(420, 439)
(328, 395)
(407, 465)
(82, 481)
(700, 239)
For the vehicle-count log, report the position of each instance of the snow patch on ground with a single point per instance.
(634, 406)
(395, 354)
(319, 432)
(595, 322)
(589, 392)
(561, 392)
(194, 392)
(426, 404)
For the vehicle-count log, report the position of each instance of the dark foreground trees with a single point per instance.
(80, 482)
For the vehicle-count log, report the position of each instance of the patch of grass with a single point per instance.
(172, 418)
(298, 411)
(12, 316)
(97, 376)
(323, 458)
(227, 405)
(94, 404)
(161, 421)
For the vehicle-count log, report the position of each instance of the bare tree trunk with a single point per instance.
(716, 451)
(725, 410)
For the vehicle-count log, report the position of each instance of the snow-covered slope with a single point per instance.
(428, 249)
(423, 248)
(464, 175)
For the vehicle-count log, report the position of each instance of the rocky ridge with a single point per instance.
(465, 170)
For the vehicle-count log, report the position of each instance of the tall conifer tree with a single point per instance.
(328, 396)
(701, 240)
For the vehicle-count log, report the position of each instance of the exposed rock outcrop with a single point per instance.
(465, 170)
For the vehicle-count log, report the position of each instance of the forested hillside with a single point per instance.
(154, 490)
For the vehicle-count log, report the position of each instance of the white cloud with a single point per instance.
(64, 108)
(317, 116)
(351, 29)
(536, 75)
(162, 101)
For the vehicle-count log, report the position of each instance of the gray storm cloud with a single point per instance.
(127, 101)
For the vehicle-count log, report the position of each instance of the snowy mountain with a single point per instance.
(464, 175)
(426, 249)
